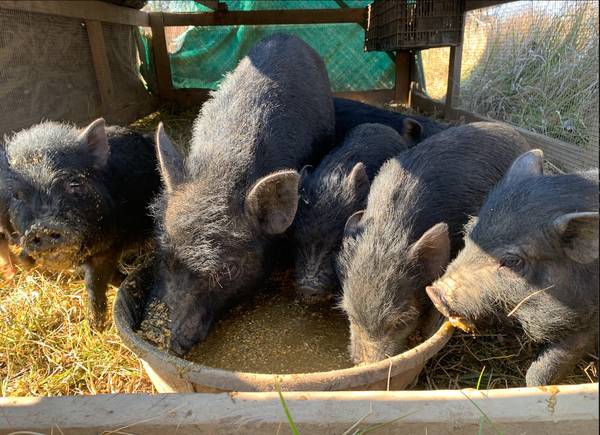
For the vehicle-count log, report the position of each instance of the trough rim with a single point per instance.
(227, 380)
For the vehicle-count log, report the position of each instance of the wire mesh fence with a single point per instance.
(533, 64)
(47, 72)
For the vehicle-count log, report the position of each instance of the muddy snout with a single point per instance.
(43, 237)
(312, 291)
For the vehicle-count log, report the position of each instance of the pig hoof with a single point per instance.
(97, 322)
(8, 273)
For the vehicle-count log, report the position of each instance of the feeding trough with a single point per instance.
(170, 373)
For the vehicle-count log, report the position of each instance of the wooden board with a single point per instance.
(86, 10)
(162, 64)
(101, 65)
(402, 84)
(477, 4)
(557, 410)
(454, 67)
(263, 17)
(566, 156)
(195, 97)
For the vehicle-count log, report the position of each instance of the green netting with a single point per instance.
(201, 55)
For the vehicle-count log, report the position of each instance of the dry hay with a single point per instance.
(47, 347)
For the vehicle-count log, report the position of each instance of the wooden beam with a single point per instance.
(478, 4)
(566, 156)
(454, 67)
(195, 97)
(162, 65)
(264, 17)
(210, 4)
(378, 97)
(101, 65)
(567, 409)
(402, 86)
(86, 10)
(189, 97)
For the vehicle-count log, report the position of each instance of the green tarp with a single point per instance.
(201, 55)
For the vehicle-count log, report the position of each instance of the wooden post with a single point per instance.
(453, 90)
(161, 57)
(402, 86)
(101, 65)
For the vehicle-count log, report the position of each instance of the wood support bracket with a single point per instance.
(101, 65)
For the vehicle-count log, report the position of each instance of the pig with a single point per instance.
(237, 190)
(80, 198)
(7, 259)
(411, 228)
(350, 113)
(7, 270)
(330, 194)
(531, 259)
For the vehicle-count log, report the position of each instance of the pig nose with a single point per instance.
(438, 299)
(41, 238)
(311, 293)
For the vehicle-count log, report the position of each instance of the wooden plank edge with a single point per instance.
(267, 17)
(193, 97)
(85, 10)
(478, 4)
(162, 63)
(560, 409)
(101, 65)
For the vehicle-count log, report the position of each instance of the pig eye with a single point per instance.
(230, 271)
(73, 186)
(18, 195)
(513, 262)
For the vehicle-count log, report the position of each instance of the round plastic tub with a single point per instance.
(172, 374)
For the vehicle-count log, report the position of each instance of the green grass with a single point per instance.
(539, 70)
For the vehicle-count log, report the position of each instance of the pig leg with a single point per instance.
(556, 360)
(7, 270)
(117, 278)
(99, 271)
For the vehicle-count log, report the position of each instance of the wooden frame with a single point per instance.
(86, 10)
(553, 409)
(267, 17)
(101, 65)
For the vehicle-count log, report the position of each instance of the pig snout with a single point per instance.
(312, 290)
(439, 300)
(41, 237)
(366, 350)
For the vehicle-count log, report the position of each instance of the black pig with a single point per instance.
(238, 188)
(80, 197)
(531, 257)
(338, 187)
(350, 113)
(401, 243)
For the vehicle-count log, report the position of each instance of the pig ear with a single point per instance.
(4, 165)
(432, 251)
(354, 223)
(94, 137)
(305, 171)
(579, 235)
(529, 164)
(273, 200)
(169, 160)
(358, 180)
(412, 130)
